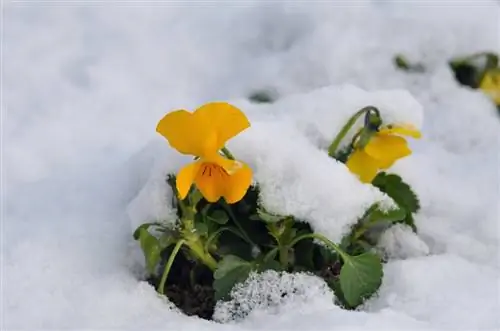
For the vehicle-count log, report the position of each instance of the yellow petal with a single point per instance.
(385, 163)
(185, 132)
(186, 177)
(223, 119)
(230, 166)
(237, 184)
(387, 148)
(405, 130)
(362, 165)
(490, 84)
(211, 180)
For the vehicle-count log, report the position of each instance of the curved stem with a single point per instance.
(198, 250)
(325, 240)
(166, 271)
(345, 129)
(227, 153)
(219, 231)
(235, 220)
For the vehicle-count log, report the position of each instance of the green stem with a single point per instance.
(345, 129)
(283, 256)
(219, 231)
(235, 220)
(325, 240)
(170, 261)
(198, 250)
(227, 153)
(282, 249)
(361, 229)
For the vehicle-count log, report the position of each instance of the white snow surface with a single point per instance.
(84, 84)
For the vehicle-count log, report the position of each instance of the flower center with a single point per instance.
(213, 170)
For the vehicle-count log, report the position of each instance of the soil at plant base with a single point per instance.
(198, 299)
(189, 287)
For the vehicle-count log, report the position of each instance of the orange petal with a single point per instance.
(224, 119)
(186, 177)
(185, 132)
(237, 184)
(230, 166)
(211, 180)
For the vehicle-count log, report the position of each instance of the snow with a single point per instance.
(85, 84)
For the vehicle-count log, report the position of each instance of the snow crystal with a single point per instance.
(273, 292)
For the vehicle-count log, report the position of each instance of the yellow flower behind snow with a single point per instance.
(490, 84)
(383, 149)
(203, 134)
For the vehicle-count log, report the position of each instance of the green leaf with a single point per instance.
(398, 190)
(219, 217)
(201, 228)
(402, 63)
(268, 217)
(360, 277)
(263, 96)
(255, 217)
(401, 193)
(392, 215)
(151, 249)
(230, 271)
(144, 226)
(269, 265)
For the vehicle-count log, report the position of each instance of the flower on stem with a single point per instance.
(384, 148)
(203, 134)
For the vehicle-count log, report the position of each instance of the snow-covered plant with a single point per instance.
(223, 233)
(478, 71)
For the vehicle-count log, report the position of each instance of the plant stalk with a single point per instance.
(168, 266)
(332, 150)
(325, 240)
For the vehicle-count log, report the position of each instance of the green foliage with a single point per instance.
(150, 247)
(221, 244)
(360, 277)
(244, 238)
(402, 63)
(263, 96)
(401, 193)
(231, 270)
(469, 70)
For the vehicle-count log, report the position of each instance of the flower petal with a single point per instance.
(490, 84)
(362, 165)
(211, 180)
(237, 184)
(387, 148)
(224, 119)
(185, 132)
(404, 130)
(230, 166)
(186, 177)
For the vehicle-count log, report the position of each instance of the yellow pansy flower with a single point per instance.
(490, 84)
(383, 149)
(203, 134)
